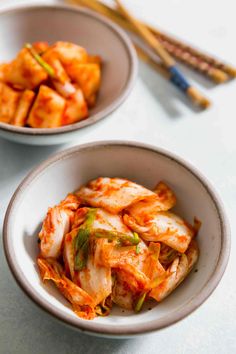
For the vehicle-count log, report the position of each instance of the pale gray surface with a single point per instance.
(151, 114)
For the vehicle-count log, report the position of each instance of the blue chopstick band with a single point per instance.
(178, 79)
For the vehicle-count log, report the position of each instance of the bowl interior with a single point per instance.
(51, 183)
(52, 23)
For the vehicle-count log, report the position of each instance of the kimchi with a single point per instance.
(115, 242)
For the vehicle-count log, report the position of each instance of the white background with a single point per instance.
(154, 113)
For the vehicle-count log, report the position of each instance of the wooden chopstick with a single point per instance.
(176, 77)
(216, 63)
(143, 55)
(147, 59)
(216, 69)
(179, 50)
(196, 63)
(161, 69)
(101, 8)
(147, 36)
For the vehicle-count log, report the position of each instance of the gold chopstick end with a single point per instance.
(231, 71)
(218, 76)
(197, 98)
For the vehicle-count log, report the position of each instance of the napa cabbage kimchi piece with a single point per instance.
(113, 194)
(116, 242)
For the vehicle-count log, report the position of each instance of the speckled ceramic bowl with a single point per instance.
(65, 172)
(98, 35)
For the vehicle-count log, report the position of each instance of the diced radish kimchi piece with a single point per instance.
(3, 66)
(23, 108)
(47, 110)
(68, 53)
(76, 108)
(25, 72)
(87, 76)
(40, 47)
(9, 100)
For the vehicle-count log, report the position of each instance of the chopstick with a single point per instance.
(147, 59)
(158, 66)
(195, 62)
(208, 66)
(103, 9)
(116, 17)
(176, 77)
(147, 36)
(216, 63)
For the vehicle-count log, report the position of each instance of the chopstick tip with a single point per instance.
(231, 71)
(218, 75)
(197, 98)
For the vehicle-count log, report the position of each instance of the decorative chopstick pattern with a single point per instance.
(196, 63)
(202, 57)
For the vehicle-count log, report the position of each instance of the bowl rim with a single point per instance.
(94, 118)
(122, 331)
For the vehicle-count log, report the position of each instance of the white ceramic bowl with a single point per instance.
(65, 172)
(30, 23)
